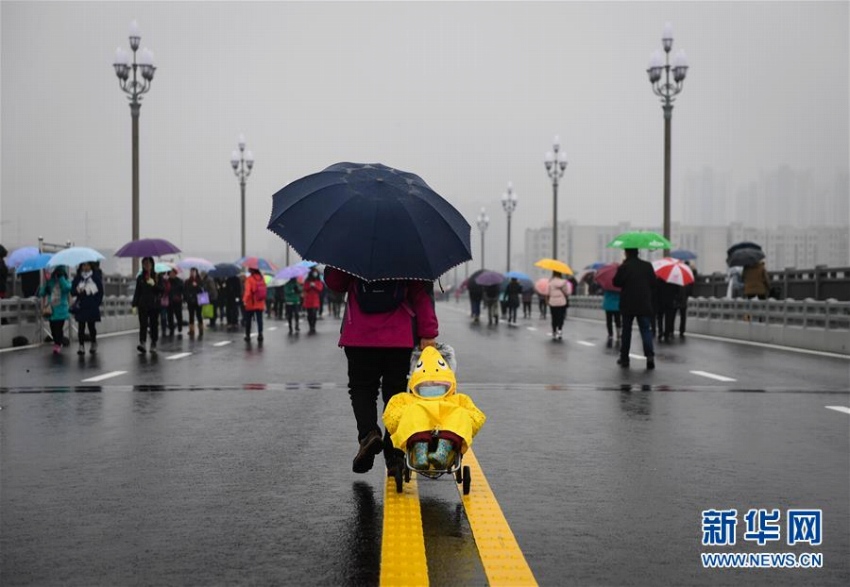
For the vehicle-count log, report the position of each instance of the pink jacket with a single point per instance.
(392, 329)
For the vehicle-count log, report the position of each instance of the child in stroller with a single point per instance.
(430, 411)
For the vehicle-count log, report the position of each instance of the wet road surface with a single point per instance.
(231, 465)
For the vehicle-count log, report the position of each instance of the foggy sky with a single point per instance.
(467, 95)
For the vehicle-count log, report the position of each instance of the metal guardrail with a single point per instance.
(22, 317)
(820, 283)
(814, 314)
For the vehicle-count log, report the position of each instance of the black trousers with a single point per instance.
(683, 318)
(371, 369)
(559, 314)
(81, 331)
(148, 320)
(612, 317)
(57, 331)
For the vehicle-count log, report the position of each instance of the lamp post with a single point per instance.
(483, 223)
(242, 162)
(509, 200)
(667, 91)
(135, 88)
(556, 162)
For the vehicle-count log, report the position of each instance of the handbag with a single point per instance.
(203, 298)
(207, 311)
(75, 306)
(46, 309)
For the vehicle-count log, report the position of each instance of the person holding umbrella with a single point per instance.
(513, 292)
(4, 272)
(88, 287)
(56, 291)
(312, 297)
(378, 339)
(254, 301)
(558, 296)
(192, 288)
(636, 279)
(146, 303)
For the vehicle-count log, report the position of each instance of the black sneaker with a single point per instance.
(153, 348)
(370, 446)
(259, 338)
(141, 348)
(624, 363)
(650, 364)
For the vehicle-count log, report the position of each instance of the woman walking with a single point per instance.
(254, 301)
(88, 287)
(192, 287)
(558, 298)
(146, 302)
(312, 297)
(611, 305)
(292, 297)
(55, 293)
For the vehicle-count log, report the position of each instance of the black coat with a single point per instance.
(147, 296)
(636, 278)
(669, 296)
(89, 304)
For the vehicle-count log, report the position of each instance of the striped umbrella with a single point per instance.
(673, 271)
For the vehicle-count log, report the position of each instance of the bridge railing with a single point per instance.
(820, 283)
(809, 324)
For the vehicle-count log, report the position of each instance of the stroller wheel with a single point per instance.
(467, 479)
(458, 477)
(399, 480)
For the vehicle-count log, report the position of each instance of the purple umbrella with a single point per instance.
(18, 256)
(489, 278)
(147, 247)
(292, 271)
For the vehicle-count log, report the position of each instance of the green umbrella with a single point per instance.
(640, 239)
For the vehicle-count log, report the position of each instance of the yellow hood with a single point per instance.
(431, 367)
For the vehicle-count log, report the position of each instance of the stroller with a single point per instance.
(455, 467)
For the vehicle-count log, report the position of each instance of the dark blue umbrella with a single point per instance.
(683, 255)
(742, 245)
(372, 221)
(224, 270)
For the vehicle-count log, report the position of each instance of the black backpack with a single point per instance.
(378, 297)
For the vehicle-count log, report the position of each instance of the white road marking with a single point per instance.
(713, 376)
(838, 409)
(223, 343)
(104, 376)
(273, 328)
(531, 328)
(177, 356)
(254, 335)
(585, 343)
(641, 357)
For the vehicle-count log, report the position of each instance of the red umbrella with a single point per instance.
(673, 271)
(605, 277)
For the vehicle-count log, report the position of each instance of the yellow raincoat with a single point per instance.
(409, 413)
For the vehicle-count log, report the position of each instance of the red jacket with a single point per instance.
(392, 329)
(248, 295)
(312, 290)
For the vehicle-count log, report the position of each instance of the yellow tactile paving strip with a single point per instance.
(403, 561)
(501, 557)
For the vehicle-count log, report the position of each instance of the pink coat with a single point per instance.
(389, 330)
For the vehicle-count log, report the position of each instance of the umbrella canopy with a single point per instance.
(296, 270)
(683, 255)
(471, 284)
(74, 256)
(605, 277)
(36, 263)
(196, 262)
(639, 239)
(257, 263)
(162, 268)
(20, 255)
(486, 278)
(554, 265)
(372, 221)
(595, 266)
(744, 257)
(225, 270)
(526, 284)
(541, 286)
(673, 271)
(307, 264)
(147, 247)
(742, 245)
(518, 274)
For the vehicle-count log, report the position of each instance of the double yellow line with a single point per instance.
(403, 560)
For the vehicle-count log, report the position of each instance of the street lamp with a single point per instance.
(134, 89)
(556, 162)
(509, 200)
(667, 92)
(483, 223)
(242, 162)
